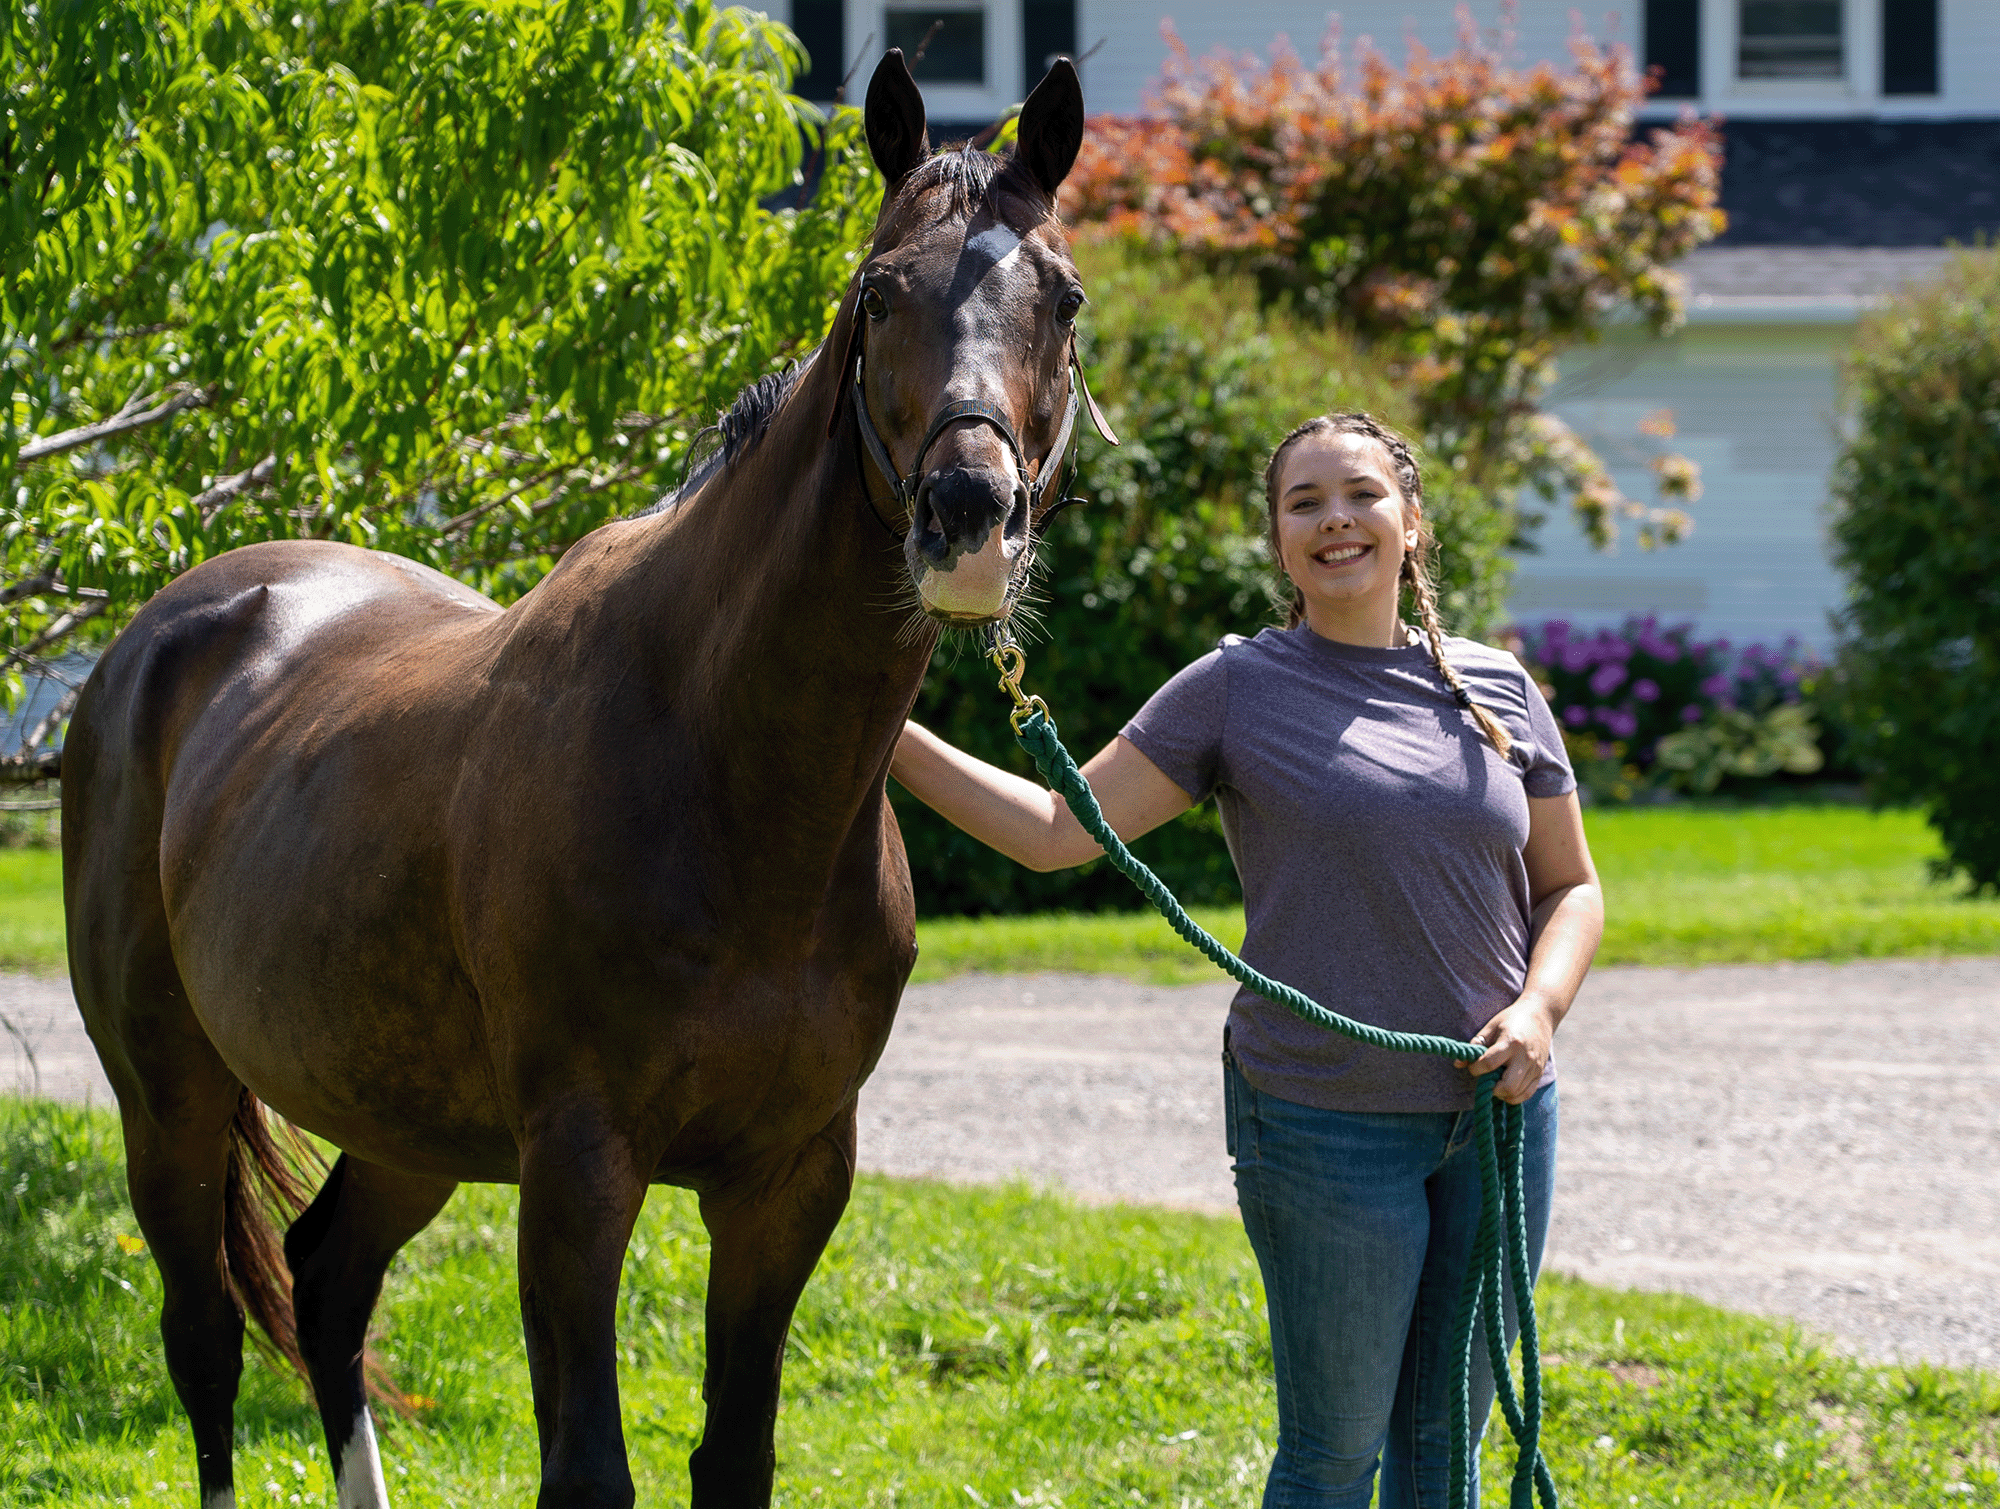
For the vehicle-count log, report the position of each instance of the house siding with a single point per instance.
(1118, 75)
(1757, 408)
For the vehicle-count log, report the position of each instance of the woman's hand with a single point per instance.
(1563, 931)
(1517, 1044)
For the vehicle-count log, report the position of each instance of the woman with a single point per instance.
(1412, 854)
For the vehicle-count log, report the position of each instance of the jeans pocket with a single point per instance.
(1228, 1103)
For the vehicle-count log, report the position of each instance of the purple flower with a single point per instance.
(1622, 722)
(1576, 715)
(1690, 714)
(1607, 751)
(1716, 686)
(1606, 678)
(1646, 690)
(1576, 656)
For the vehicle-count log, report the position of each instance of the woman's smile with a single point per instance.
(1341, 552)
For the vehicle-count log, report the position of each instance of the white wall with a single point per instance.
(1756, 407)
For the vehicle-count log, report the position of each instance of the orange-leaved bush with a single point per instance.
(1468, 217)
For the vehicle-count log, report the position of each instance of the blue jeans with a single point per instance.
(1362, 1223)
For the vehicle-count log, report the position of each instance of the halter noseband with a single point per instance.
(905, 488)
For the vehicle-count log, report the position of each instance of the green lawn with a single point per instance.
(958, 1347)
(1683, 885)
(31, 911)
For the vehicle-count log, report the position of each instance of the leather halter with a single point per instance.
(905, 487)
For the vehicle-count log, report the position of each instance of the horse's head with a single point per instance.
(959, 331)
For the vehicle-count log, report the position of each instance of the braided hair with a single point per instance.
(1416, 574)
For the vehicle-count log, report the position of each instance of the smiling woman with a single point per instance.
(1405, 825)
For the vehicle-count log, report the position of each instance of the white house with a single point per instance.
(1861, 135)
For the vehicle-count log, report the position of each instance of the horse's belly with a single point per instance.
(373, 1042)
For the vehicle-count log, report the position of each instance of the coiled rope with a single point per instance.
(1500, 1247)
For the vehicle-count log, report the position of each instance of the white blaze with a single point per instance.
(361, 1485)
(997, 244)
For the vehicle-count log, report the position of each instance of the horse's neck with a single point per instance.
(776, 604)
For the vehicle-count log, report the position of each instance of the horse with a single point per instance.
(598, 891)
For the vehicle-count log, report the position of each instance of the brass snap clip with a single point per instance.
(1012, 665)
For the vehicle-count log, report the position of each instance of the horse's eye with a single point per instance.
(873, 304)
(1072, 301)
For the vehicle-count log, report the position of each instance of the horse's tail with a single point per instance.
(264, 1177)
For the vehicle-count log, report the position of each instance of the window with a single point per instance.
(1909, 46)
(1673, 46)
(1789, 39)
(944, 45)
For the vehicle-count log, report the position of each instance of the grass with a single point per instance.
(1684, 885)
(31, 911)
(958, 1347)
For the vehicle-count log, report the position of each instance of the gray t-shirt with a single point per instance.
(1378, 836)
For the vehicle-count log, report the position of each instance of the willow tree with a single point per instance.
(454, 280)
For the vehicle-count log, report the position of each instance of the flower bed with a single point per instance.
(1648, 709)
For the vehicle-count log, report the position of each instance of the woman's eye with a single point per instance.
(873, 304)
(1071, 304)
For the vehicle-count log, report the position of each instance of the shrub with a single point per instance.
(1642, 706)
(1468, 218)
(1166, 557)
(1916, 529)
(455, 282)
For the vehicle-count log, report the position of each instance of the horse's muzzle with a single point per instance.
(967, 542)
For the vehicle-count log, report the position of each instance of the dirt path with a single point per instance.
(1820, 1141)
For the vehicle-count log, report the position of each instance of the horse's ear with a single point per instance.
(897, 135)
(1051, 127)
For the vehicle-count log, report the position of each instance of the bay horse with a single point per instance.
(595, 892)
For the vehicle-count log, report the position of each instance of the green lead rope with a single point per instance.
(1500, 1247)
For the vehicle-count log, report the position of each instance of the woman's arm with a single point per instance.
(1563, 933)
(1027, 822)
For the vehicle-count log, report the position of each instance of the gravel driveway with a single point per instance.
(1819, 1141)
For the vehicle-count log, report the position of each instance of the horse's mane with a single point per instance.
(977, 179)
(737, 428)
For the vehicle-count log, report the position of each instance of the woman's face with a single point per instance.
(1343, 527)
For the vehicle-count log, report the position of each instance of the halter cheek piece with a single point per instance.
(905, 487)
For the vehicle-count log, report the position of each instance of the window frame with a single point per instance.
(955, 104)
(1858, 83)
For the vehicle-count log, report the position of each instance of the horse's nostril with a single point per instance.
(927, 529)
(1018, 516)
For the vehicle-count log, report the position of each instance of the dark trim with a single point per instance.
(1048, 31)
(1909, 47)
(1673, 46)
(822, 26)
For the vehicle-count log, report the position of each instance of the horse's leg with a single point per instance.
(581, 1190)
(178, 1172)
(763, 1250)
(178, 1103)
(338, 1251)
